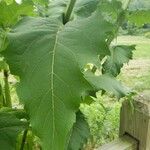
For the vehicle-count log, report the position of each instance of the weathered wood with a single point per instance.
(134, 125)
(123, 143)
(137, 122)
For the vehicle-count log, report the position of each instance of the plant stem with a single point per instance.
(24, 139)
(68, 13)
(7, 90)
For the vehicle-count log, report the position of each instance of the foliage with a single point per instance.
(102, 117)
(11, 13)
(80, 133)
(10, 126)
(119, 56)
(49, 52)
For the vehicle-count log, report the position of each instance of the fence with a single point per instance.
(134, 126)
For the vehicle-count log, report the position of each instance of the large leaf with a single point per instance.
(119, 55)
(48, 57)
(10, 127)
(80, 133)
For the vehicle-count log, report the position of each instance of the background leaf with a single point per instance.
(119, 56)
(10, 127)
(11, 13)
(80, 133)
(107, 83)
(82, 8)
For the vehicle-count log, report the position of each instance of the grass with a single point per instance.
(136, 74)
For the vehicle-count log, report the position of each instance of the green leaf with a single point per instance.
(119, 55)
(107, 83)
(49, 58)
(110, 9)
(11, 13)
(10, 127)
(85, 8)
(80, 133)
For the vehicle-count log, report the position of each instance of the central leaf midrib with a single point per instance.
(52, 85)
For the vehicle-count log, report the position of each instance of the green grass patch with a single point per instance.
(136, 74)
(142, 51)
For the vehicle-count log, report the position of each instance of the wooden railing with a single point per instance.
(134, 126)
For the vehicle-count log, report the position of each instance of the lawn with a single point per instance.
(136, 74)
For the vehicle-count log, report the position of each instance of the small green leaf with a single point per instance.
(106, 83)
(119, 55)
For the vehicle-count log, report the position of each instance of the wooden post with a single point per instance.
(134, 126)
(136, 123)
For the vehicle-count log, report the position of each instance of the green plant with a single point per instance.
(103, 119)
(49, 54)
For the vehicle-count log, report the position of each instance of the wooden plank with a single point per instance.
(123, 143)
(137, 122)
